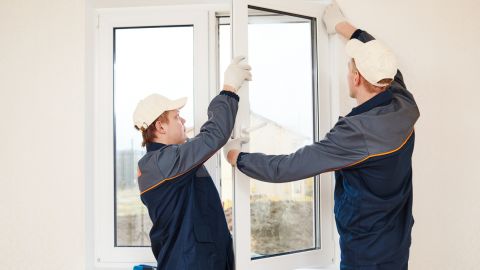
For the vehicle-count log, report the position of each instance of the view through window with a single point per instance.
(147, 60)
(281, 121)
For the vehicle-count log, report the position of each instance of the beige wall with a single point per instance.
(42, 96)
(437, 43)
(42, 111)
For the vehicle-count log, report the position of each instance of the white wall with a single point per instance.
(437, 43)
(42, 96)
(43, 88)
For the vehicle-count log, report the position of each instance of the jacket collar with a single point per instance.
(153, 146)
(381, 99)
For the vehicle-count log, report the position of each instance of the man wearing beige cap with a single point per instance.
(189, 227)
(369, 150)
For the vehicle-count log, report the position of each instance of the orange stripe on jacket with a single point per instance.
(376, 155)
(178, 175)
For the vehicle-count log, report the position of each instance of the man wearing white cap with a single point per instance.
(189, 228)
(370, 151)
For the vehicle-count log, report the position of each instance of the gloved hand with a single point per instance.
(236, 73)
(233, 148)
(332, 16)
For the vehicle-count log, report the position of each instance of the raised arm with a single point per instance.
(180, 158)
(335, 22)
(213, 134)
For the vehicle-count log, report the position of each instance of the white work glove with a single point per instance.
(234, 144)
(332, 16)
(236, 73)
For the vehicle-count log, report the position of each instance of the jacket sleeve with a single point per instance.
(343, 146)
(398, 85)
(178, 159)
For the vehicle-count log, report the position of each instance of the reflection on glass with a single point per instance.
(281, 121)
(147, 60)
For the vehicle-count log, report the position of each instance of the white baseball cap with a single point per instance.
(374, 60)
(151, 107)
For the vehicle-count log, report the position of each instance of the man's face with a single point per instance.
(175, 128)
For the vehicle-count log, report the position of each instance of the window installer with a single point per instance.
(370, 151)
(189, 227)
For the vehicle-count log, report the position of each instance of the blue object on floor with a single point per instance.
(144, 267)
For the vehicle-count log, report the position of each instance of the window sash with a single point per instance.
(324, 255)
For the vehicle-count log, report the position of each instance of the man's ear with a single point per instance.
(357, 79)
(161, 127)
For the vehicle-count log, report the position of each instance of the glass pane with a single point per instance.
(147, 60)
(280, 52)
(280, 46)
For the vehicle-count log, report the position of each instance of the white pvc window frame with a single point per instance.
(206, 86)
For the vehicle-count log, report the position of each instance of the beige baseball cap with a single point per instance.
(151, 107)
(374, 60)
